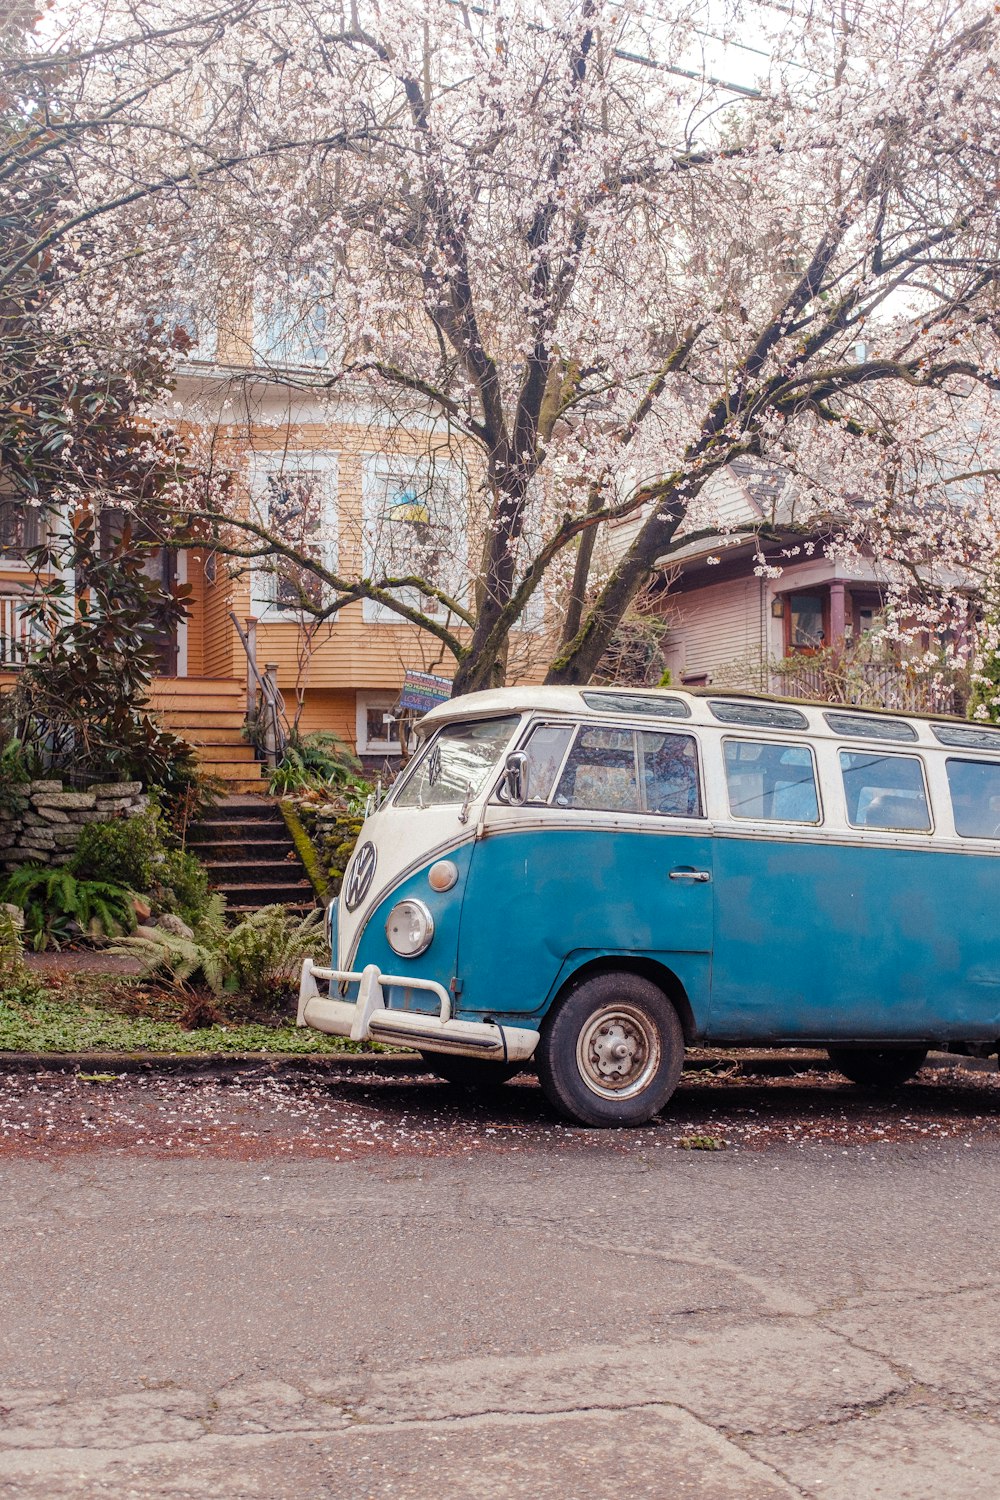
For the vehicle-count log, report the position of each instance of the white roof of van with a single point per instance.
(742, 709)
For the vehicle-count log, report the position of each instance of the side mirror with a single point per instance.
(516, 778)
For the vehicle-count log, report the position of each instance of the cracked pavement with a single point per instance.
(551, 1321)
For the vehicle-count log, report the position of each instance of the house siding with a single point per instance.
(718, 626)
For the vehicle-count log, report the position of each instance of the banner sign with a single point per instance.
(423, 691)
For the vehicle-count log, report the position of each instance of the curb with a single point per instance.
(216, 1066)
(219, 1066)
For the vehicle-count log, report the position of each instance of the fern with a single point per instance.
(265, 951)
(184, 963)
(56, 904)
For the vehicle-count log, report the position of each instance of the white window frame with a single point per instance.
(9, 563)
(271, 301)
(366, 702)
(375, 468)
(263, 585)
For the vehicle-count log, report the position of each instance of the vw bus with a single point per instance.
(588, 880)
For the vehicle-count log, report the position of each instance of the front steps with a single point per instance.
(245, 846)
(209, 712)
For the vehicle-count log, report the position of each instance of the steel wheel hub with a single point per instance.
(618, 1052)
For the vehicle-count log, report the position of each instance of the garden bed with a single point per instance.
(100, 1013)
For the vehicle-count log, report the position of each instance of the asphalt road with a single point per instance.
(198, 1298)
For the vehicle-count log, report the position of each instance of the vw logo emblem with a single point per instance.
(359, 877)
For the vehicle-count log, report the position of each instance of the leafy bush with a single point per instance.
(185, 964)
(265, 951)
(12, 966)
(182, 886)
(136, 852)
(57, 906)
(123, 852)
(259, 958)
(314, 761)
(17, 766)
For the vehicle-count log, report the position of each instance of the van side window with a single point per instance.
(670, 774)
(884, 791)
(545, 748)
(975, 797)
(600, 772)
(770, 782)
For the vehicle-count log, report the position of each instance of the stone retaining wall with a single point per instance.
(46, 823)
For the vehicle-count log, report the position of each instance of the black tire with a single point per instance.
(578, 1069)
(878, 1067)
(471, 1072)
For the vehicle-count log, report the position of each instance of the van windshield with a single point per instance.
(457, 762)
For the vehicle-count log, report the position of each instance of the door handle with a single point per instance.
(685, 872)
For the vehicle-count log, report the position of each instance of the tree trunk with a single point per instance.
(578, 661)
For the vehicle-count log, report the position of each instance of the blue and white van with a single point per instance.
(588, 880)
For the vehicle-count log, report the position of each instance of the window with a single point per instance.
(290, 321)
(456, 763)
(654, 705)
(545, 748)
(806, 622)
(975, 797)
(759, 715)
(20, 530)
(295, 497)
(885, 791)
(771, 783)
(414, 525)
(375, 735)
(670, 774)
(600, 773)
(967, 736)
(867, 727)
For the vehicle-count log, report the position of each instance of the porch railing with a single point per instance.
(892, 685)
(265, 705)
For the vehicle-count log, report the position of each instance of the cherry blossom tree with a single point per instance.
(589, 270)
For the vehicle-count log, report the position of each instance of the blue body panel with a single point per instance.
(542, 902)
(847, 940)
(438, 962)
(790, 939)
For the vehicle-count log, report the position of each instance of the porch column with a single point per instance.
(837, 614)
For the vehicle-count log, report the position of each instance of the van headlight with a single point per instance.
(409, 928)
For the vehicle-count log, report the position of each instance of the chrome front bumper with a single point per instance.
(368, 1017)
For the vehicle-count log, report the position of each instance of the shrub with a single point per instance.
(259, 958)
(17, 766)
(12, 965)
(57, 906)
(182, 886)
(265, 951)
(313, 761)
(185, 964)
(123, 852)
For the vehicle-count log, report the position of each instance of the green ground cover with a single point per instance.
(98, 1014)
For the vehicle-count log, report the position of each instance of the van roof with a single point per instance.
(697, 706)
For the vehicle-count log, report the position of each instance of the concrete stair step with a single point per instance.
(240, 846)
(270, 871)
(254, 896)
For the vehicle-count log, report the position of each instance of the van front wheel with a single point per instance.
(878, 1067)
(611, 1051)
